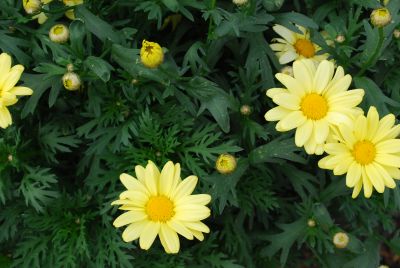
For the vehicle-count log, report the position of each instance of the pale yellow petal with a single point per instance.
(5, 66)
(138, 197)
(170, 237)
(292, 85)
(185, 214)
(149, 234)
(198, 226)
(388, 160)
(285, 33)
(133, 231)
(293, 120)
(185, 188)
(388, 146)
(321, 131)
(5, 117)
(336, 148)
(198, 199)
(133, 184)
(303, 74)
(338, 86)
(303, 133)
(21, 91)
(8, 99)
(360, 128)
(387, 179)
(353, 174)
(288, 101)
(367, 184)
(385, 125)
(347, 99)
(393, 172)
(140, 174)
(343, 166)
(199, 235)
(152, 178)
(372, 122)
(276, 90)
(180, 228)
(129, 217)
(276, 114)
(166, 178)
(287, 57)
(323, 76)
(357, 188)
(12, 77)
(375, 178)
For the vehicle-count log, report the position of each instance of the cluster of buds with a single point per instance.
(71, 80)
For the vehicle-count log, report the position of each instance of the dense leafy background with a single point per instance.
(61, 159)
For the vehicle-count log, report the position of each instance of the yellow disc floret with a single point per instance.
(364, 152)
(160, 208)
(314, 106)
(305, 48)
(151, 54)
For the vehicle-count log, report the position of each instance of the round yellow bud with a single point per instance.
(311, 223)
(245, 110)
(31, 6)
(225, 164)
(70, 67)
(340, 240)
(340, 38)
(396, 33)
(383, 266)
(287, 70)
(239, 2)
(71, 81)
(151, 54)
(134, 81)
(10, 158)
(381, 17)
(59, 33)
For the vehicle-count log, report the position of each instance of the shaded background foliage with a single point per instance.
(63, 154)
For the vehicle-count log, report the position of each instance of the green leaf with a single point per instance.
(172, 5)
(302, 181)
(369, 258)
(285, 240)
(218, 107)
(290, 18)
(77, 34)
(272, 5)
(97, 26)
(100, 67)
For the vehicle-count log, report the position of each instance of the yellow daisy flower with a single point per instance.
(151, 54)
(313, 101)
(9, 77)
(161, 204)
(368, 151)
(294, 46)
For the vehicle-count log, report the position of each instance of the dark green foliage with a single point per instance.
(61, 159)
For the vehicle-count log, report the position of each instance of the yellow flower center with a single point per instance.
(160, 208)
(149, 49)
(226, 163)
(57, 30)
(305, 48)
(364, 152)
(314, 106)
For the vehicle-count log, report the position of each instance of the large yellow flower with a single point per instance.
(313, 101)
(161, 204)
(294, 46)
(368, 151)
(9, 77)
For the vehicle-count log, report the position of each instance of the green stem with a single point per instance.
(375, 55)
(318, 257)
(210, 25)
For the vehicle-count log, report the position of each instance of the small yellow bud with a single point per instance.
(340, 38)
(70, 67)
(59, 33)
(383, 266)
(70, 14)
(31, 6)
(134, 81)
(225, 164)
(245, 110)
(151, 54)
(311, 223)
(10, 158)
(287, 70)
(77, 221)
(340, 240)
(380, 17)
(71, 81)
(396, 33)
(239, 2)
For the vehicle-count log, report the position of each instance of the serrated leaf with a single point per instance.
(100, 67)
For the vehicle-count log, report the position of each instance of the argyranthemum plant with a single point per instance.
(294, 46)
(161, 204)
(9, 77)
(312, 101)
(368, 151)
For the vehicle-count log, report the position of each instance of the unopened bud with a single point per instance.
(71, 81)
(31, 6)
(245, 110)
(396, 33)
(340, 240)
(59, 33)
(10, 157)
(380, 17)
(340, 38)
(70, 67)
(239, 2)
(311, 223)
(225, 164)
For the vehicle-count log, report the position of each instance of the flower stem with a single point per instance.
(211, 25)
(375, 55)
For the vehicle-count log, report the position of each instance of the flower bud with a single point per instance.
(10, 158)
(71, 81)
(70, 67)
(287, 70)
(239, 2)
(59, 33)
(340, 38)
(245, 110)
(396, 33)
(340, 240)
(383, 266)
(225, 164)
(31, 6)
(311, 223)
(380, 17)
(151, 54)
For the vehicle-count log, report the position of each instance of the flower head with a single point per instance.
(312, 102)
(368, 151)
(59, 33)
(225, 164)
(341, 240)
(161, 204)
(381, 17)
(293, 46)
(31, 6)
(151, 54)
(245, 110)
(239, 2)
(9, 77)
(71, 81)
